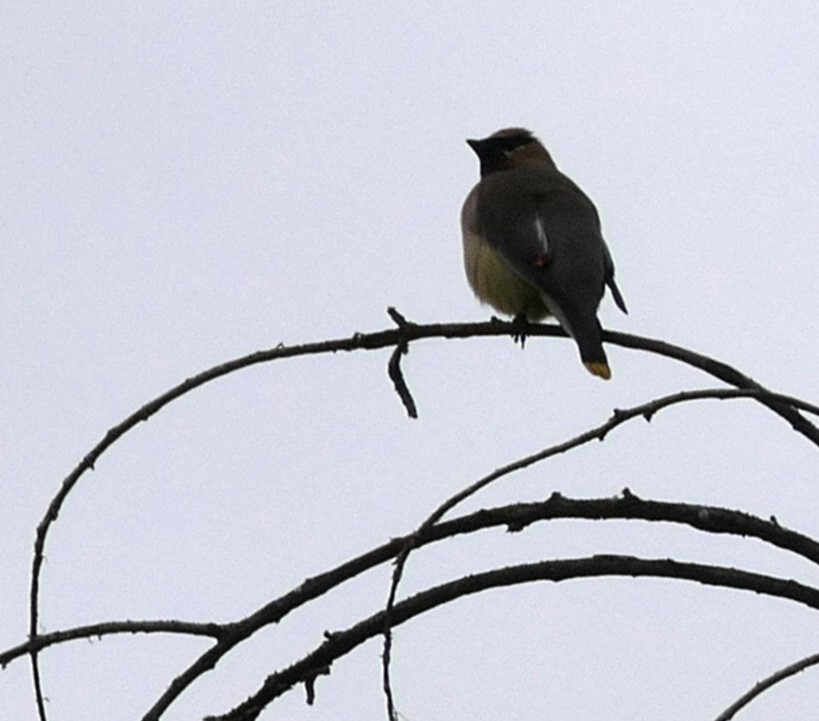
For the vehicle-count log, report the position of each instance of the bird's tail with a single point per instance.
(587, 333)
(598, 368)
(590, 343)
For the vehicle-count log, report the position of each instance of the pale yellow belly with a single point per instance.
(494, 283)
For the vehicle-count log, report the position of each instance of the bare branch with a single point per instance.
(394, 366)
(515, 517)
(107, 628)
(340, 643)
(767, 683)
(644, 410)
(406, 333)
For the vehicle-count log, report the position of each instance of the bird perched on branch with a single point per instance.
(533, 245)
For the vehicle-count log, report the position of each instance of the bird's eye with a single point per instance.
(515, 143)
(511, 151)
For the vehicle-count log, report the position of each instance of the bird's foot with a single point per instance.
(520, 325)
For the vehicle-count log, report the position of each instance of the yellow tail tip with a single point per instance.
(601, 370)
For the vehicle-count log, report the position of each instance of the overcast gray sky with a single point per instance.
(185, 183)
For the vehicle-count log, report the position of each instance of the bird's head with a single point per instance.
(509, 148)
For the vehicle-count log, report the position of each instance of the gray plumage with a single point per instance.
(532, 242)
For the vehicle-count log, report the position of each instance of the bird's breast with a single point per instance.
(495, 283)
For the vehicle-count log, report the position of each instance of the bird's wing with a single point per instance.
(537, 218)
(542, 224)
(610, 282)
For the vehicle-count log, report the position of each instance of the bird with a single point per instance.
(532, 243)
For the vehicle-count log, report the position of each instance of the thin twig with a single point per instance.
(107, 628)
(359, 341)
(339, 643)
(766, 684)
(394, 366)
(645, 410)
(515, 517)
(397, 378)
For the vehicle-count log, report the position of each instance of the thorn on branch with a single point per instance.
(618, 414)
(397, 317)
(515, 526)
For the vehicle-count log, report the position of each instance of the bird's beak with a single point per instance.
(476, 145)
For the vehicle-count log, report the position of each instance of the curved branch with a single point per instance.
(767, 683)
(107, 628)
(370, 341)
(620, 416)
(515, 517)
(340, 643)
(717, 369)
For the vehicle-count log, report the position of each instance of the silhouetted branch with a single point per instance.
(394, 367)
(340, 643)
(515, 517)
(766, 684)
(620, 416)
(107, 628)
(400, 338)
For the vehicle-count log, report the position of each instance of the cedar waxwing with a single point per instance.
(532, 242)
